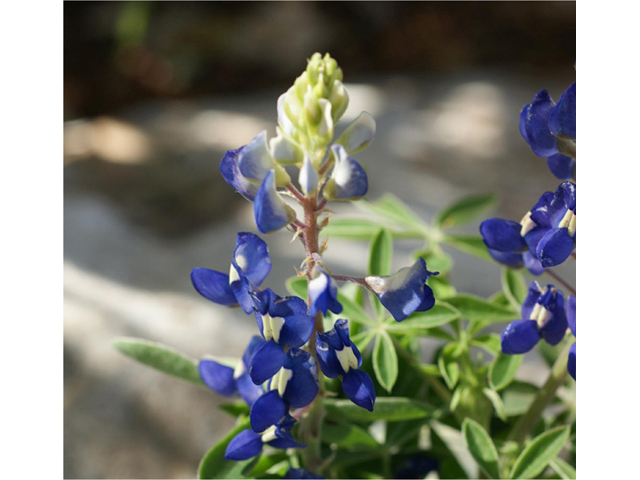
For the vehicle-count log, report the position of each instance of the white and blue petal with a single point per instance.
(323, 293)
(502, 235)
(267, 411)
(404, 292)
(231, 174)
(553, 328)
(254, 160)
(213, 286)
(348, 178)
(251, 257)
(530, 301)
(358, 134)
(241, 288)
(284, 150)
(265, 362)
(217, 377)
(270, 211)
(301, 385)
(358, 387)
(245, 445)
(308, 178)
(519, 337)
(298, 324)
(562, 121)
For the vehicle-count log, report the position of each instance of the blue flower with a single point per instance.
(248, 444)
(518, 260)
(255, 162)
(339, 357)
(270, 211)
(550, 130)
(250, 265)
(301, 473)
(294, 385)
(227, 381)
(323, 293)
(359, 134)
(231, 174)
(405, 291)
(348, 179)
(543, 316)
(283, 322)
(571, 320)
(559, 240)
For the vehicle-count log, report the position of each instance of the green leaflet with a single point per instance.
(348, 436)
(464, 210)
(503, 370)
(471, 244)
(539, 452)
(213, 464)
(160, 357)
(392, 409)
(481, 447)
(381, 254)
(419, 322)
(477, 309)
(514, 287)
(385, 361)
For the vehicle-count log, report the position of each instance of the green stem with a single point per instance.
(544, 396)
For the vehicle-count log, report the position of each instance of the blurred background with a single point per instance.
(156, 92)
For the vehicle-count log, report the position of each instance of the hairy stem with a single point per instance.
(544, 396)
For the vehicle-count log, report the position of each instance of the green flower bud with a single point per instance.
(300, 85)
(311, 109)
(320, 90)
(339, 99)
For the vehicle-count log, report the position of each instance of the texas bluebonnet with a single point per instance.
(405, 291)
(550, 130)
(543, 316)
(338, 356)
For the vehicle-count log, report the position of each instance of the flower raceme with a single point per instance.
(547, 231)
(339, 357)
(543, 316)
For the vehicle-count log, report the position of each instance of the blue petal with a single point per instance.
(342, 328)
(254, 343)
(562, 121)
(567, 190)
(231, 174)
(358, 387)
(533, 294)
(554, 329)
(284, 441)
(405, 291)
(540, 211)
(532, 263)
(213, 286)
(323, 293)
(534, 125)
(512, 260)
(298, 325)
(571, 361)
(300, 473)
(519, 337)
(555, 247)
(243, 446)
(266, 361)
(270, 211)
(251, 257)
(348, 178)
(254, 159)
(502, 235)
(571, 313)
(266, 411)
(561, 166)
(326, 353)
(302, 387)
(217, 377)
(248, 390)
(242, 290)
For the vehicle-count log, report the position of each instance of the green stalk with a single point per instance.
(545, 395)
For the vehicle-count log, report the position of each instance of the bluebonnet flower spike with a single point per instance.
(323, 292)
(543, 316)
(270, 211)
(339, 357)
(405, 291)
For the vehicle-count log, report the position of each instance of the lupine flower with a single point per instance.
(248, 444)
(255, 161)
(518, 260)
(543, 316)
(270, 211)
(571, 320)
(283, 322)
(405, 291)
(300, 473)
(348, 179)
(323, 293)
(249, 267)
(295, 385)
(227, 381)
(231, 174)
(359, 134)
(339, 357)
(550, 130)
(560, 239)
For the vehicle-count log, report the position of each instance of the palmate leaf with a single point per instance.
(391, 409)
(160, 357)
(464, 210)
(539, 452)
(481, 447)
